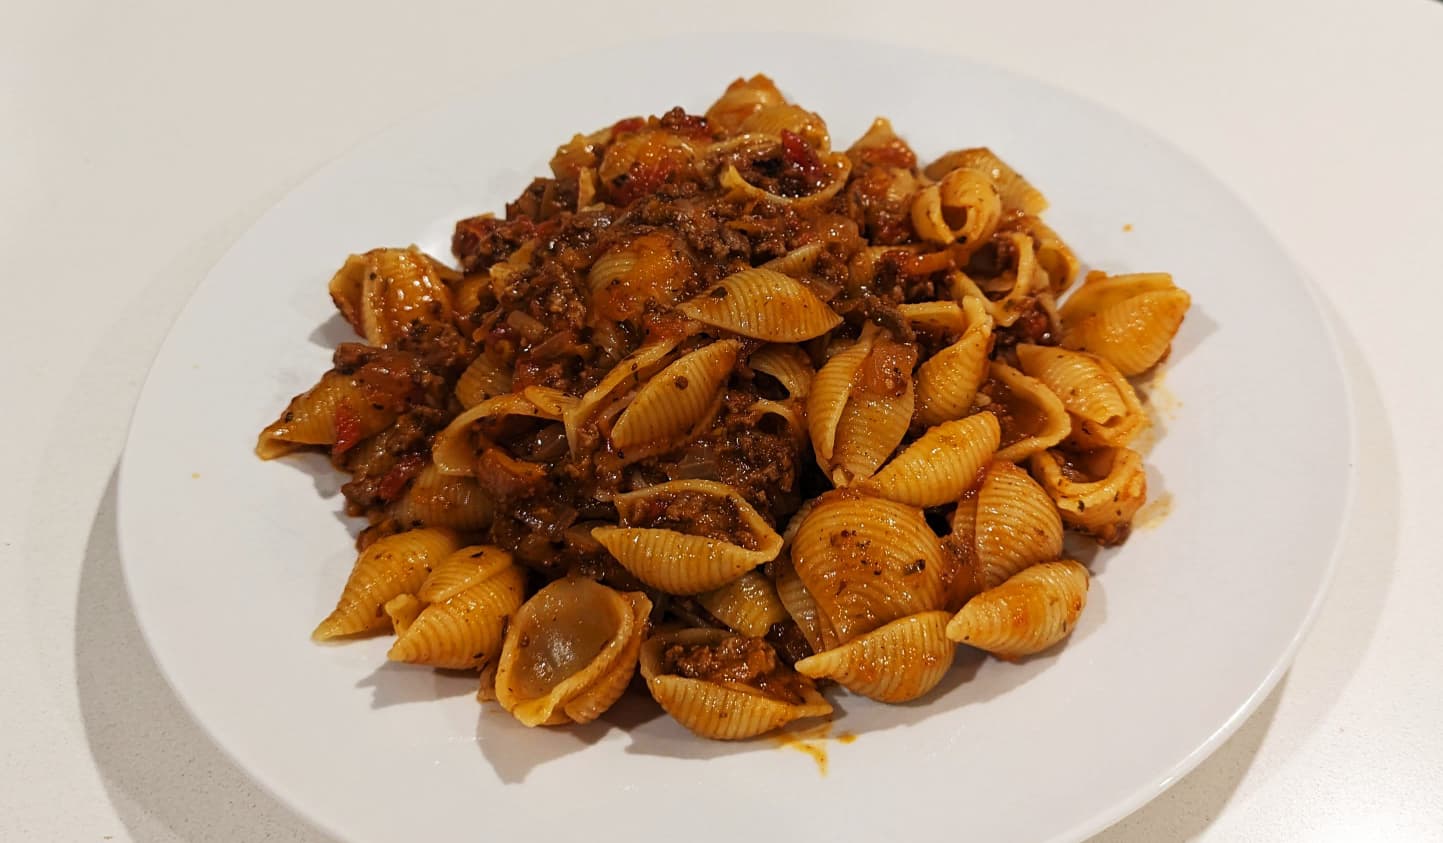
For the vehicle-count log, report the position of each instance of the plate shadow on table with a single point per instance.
(161, 772)
(1366, 566)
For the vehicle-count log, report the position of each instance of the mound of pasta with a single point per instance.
(721, 404)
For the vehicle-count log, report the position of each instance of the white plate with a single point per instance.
(230, 562)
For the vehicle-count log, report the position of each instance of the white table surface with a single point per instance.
(139, 139)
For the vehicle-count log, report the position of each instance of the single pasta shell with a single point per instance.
(942, 316)
(400, 287)
(1017, 524)
(947, 381)
(838, 165)
(397, 564)
(346, 287)
(482, 379)
(763, 304)
(963, 207)
(461, 570)
(435, 499)
(652, 268)
(748, 604)
(1100, 291)
(866, 561)
(799, 603)
(1054, 256)
(560, 643)
(943, 463)
(1105, 409)
(454, 449)
(1028, 613)
(318, 415)
(876, 417)
(1035, 417)
(463, 631)
(1133, 334)
(773, 119)
(679, 563)
(676, 398)
(1101, 506)
(1017, 193)
(798, 261)
(1023, 281)
(633, 369)
(970, 574)
(716, 711)
(608, 688)
(402, 610)
(788, 364)
(741, 99)
(895, 663)
(831, 391)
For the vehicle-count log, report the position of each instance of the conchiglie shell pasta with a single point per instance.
(633, 369)
(831, 390)
(895, 663)
(797, 262)
(866, 561)
(861, 406)
(800, 605)
(1033, 417)
(838, 166)
(774, 119)
(943, 463)
(392, 566)
(680, 563)
(763, 304)
(872, 426)
(941, 316)
(721, 711)
(1098, 493)
(1105, 409)
(652, 268)
(461, 570)
(400, 287)
(1017, 193)
(742, 99)
(1017, 524)
(748, 604)
(963, 208)
(1128, 320)
(569, 652)
(788, 364)
(676, 398)
(482, 379)
(1054, 256)
(463, 631)
(336, 411)
(455, 448)
(1021, 279)
(435, 499)
(947, 381)
(1028, 613)
(402, 610)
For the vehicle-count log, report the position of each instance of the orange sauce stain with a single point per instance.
(195, 475)
(1127, 227)
(1161, 400)
(812, 741)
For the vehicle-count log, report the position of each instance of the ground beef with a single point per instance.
(696, 514)
(735, 660)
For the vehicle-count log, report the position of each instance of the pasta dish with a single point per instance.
(748, 414)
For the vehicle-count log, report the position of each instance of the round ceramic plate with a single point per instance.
(231, 561)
